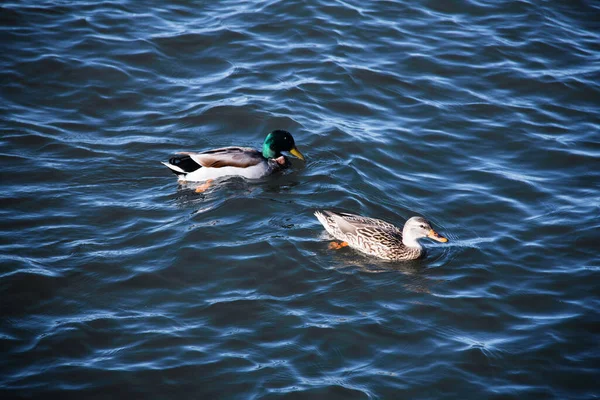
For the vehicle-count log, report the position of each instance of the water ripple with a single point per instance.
(480, 116)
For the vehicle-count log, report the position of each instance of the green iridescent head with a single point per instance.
(278, 141)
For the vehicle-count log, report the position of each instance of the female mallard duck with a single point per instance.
(241, 161)
(377, 237)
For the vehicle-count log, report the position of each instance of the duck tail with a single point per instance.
(322, 216)
(334, 223)
(174, 168)
(181, 165)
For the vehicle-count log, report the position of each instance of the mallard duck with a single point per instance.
(377, 237)
(241, 161)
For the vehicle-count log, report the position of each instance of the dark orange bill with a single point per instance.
(436, 236)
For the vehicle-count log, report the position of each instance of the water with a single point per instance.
(481, 116)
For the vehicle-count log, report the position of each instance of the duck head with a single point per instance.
(278, 141)
(416, 228)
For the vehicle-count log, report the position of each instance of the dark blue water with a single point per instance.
(482, 116)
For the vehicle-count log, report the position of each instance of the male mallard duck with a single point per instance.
(377, 237)
(241, 161)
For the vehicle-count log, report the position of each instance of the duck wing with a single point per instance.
(350, 225)
(353, 221)
(240, 157)
(370, 235)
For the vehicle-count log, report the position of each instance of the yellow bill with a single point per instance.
(296, 153)
(436, 236)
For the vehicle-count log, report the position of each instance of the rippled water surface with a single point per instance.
(482, 116)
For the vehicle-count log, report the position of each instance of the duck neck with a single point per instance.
(409, 239)
(268, 153)
(267, 149)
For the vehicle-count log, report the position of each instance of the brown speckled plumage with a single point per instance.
(369, 235)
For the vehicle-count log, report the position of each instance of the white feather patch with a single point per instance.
(173, 167)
